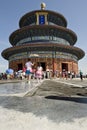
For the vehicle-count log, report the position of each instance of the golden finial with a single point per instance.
(43, 5)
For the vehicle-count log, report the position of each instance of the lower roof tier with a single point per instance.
(43, 47)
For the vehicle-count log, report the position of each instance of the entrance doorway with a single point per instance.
(64, 67)
(20, 66)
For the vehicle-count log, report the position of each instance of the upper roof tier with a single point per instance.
(52, 18)
(32, 32)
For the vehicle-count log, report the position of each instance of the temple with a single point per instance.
(44, 37)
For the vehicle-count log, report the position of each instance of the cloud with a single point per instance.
(3, 65)
(3, 62)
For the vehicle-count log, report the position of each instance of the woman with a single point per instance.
(39, 72)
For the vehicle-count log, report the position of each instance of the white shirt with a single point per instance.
(28, 65)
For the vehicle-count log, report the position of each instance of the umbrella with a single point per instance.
(9, 71)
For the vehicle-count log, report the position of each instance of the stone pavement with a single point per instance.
(60, 87)
(74, 82)
(47, 108)
(55, 86)
(17, 87)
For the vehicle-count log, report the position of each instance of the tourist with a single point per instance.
(81, 75)
(66, 75)
(39, 72)
(47, 72)
(70, 74)
(24, 71)
(28, 72)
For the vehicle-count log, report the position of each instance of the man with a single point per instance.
(28, 72)
(81, 75)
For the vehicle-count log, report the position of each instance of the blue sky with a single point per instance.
(75, 12)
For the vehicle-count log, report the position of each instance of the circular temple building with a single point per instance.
(43, 36)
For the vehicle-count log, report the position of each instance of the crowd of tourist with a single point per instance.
(30, 72)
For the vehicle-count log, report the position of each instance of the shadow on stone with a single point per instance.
(74, 99)
(82, 94)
